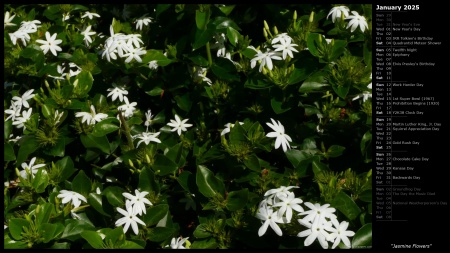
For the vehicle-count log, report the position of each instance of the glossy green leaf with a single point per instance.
(237, 200)
(67, 168)
(237, 134)
(81, 183)
(155, 214)
(158, 56)
(278, 105)
(40, 181)
(203, 36)
(163, 165)
(184, 102)
(366, 140)
(98, 203)
(226, 9)
(7, 129)
(8, 152)
(93, 238)
(74, 228)
(366, 196)
(91, 141)
(28, 145)
(187, 180)
(335, 151)
(105, 127)
(224, 22)
(147, 181)
(209, 243)
(114, 195)
(16, 226)
(318, 167)
(9, 243)
(159, 234)
(346, 205)
(225, 69)
(85, 81)
(201, 232)
(130, 245)
(363, 237)
(178, 154)
(253, 163)
(256, 83)
(207, 183)
(312, 42)
(51, 231)
(201, 19)
(233, 35)
(314, 83)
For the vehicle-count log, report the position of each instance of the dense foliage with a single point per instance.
(187, 126)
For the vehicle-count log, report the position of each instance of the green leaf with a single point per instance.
(233, 35)
(130, 245)
(363, 237)
(28, 145)
(9, 243)
(305, 66)
(85, 81)
(97, 202)
(40, 181)
(114, 195)
(7, 130)
(201, 232)
(224, 23)
(74, 228)
(187, 180)
(300, 160)
(366, 196)
(314, 83)
(237, 200)
(178, 154)
(158, 56)
(278, 105)
(227, 9)
(155, 214)
(339, 47)
(209, 243)
(335, 151)
(237, 134)
(8, 152)
(184, 102)
(203, 36)
(91, 141)
(164, 165)
(207, 183)
(311, 42)
(51, 231)
(342, 91)
(67, 168)
(253, 163)
(318, 167)
(366, 141)
(105, 127)
(201, 19)
(147, 181)
(225, 69)
(93, 238)
(81, 183)
(159, 234)
(256, 83)
(346, 205)
(16, 226)
(199, 60)
(156, 91)
(44, 212)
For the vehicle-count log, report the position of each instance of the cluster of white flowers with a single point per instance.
(24, 31)
(177, 243)
(280, 205)
(126, 46)
(71, 196)
(135, 205)
(63, 70)
(91, 118)
(356, 20)
(15, 112)
(283, 47)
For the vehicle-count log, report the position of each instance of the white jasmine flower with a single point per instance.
(357, 20)
(138, 201)
(220, 44)
(340, 233)
(287, 204)
(90, 15)
(318, 213)
(87, 35)
(31, 168)
(153, 64)
(269, 218)
(134, 40)
(19, 35)
(142, 21)
(19, 121)
(177, 243)
(66, 16)
(286, 47)
(337, 11)
(148, 118)
(147, 138)
(30, 26)
(13, 111)
(129, 218)
(265, 58)
(117, 92)
(7, 20)
(282, 139)
(317, 230)
(51, 43)
(178, 124)
(75, 197)
(128, 108)
(228, 127)
(281, 36)
(134, 54)
(91, 118)
(23, 101)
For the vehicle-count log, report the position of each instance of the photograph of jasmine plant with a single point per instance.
(187, 126)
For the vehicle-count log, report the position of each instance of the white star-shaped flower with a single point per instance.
(19, 121)
(87, 35)
(23, 100)
(357, 20)
(117, 92)
(286, 47)
(75, 197)
(287, 204)
(135, 53)
(318, 213)
(138, 201)
(147, 138)
(265, 58)
(318, 231)
(90, 15)
(30, 168)
(337, 11)
(178, 124)
(92, 117)
(129, 218)
(128, 108)
(142, 21)
(340, 233)
(282, 139)
(153, 64)
(13, 111)
(269, 218)
(7, 20)
(50, 44)
(177, 243)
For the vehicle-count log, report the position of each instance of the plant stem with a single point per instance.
(127, 131)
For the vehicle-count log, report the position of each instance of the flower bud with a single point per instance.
(275, 30)
(311, 17)
(266, 25)
(295, 15)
